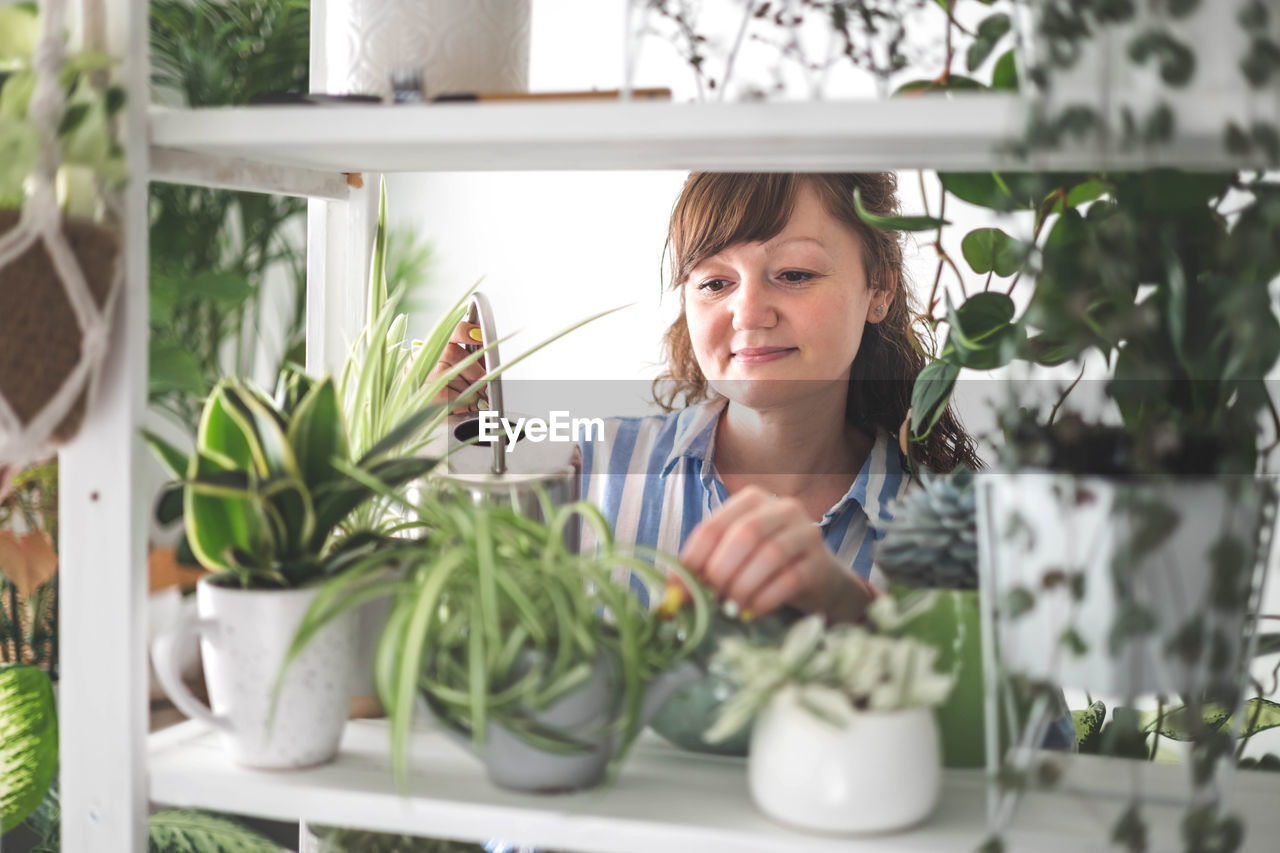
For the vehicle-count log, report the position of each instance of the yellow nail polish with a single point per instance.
(672, 600)
(748, 615)
(475, 335)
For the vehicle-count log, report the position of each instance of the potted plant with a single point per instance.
(844, 738)
(529, 652)
(267, 487)
(932, 543)
(1125, 557)
(60, 267)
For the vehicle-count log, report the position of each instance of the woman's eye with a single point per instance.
(795, 276)
(714, 285)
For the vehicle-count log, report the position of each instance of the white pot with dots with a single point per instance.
(244, 636)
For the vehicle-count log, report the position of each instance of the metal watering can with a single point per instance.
(512, 472)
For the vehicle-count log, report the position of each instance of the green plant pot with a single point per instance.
(953, 627)
(690, 711)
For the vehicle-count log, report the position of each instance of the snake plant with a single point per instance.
(271, 480)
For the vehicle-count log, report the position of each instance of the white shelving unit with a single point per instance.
(665, 799)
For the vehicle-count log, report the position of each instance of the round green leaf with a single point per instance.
(983, 314)
(28, 741)
(992, 250)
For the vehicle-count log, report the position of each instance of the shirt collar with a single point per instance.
(695, 432)
(877, 484)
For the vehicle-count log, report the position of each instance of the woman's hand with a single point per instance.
(763, 551)
(455, 351)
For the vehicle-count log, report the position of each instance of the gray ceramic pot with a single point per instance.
(589, 714)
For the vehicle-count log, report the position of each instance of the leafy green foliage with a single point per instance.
(335, 840)
(989, 34)
(930, 395)
(88, 146)
(982, 334)
(1182, 724)
(493, 619)
(896, 223)
(1089, 727)
(833, 673)
(189, 831)
(992, 250)
(28, 741)
(211, 249)
(270, 481)
(168, 831)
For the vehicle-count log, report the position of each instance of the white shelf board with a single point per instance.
(664, 799)
(957, 132)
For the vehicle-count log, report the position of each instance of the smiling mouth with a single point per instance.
(757, 355)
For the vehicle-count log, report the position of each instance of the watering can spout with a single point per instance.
(480, 312)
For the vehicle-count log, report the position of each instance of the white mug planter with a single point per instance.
(244, 635)
(456, 45)
(882, 772)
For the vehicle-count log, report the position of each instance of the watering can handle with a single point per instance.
(480, 312)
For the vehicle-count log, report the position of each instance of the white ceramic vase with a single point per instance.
(1104, 75)
(457, 45)
(882, 772)
(244, 635)
(1033, 524)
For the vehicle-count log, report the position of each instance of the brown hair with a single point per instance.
(717, 210)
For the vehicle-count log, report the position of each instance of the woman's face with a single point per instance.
(777, 321)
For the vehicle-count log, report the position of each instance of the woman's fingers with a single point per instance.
(785, 585)
(706, 536)
(465, 334)
(455, 355)
(788, 545)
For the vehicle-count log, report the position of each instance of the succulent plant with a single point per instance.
(834, 672)
(933, 538)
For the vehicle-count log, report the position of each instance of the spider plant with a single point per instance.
(493, 618)
(387, 375)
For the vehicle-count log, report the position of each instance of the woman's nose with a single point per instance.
(753, 306)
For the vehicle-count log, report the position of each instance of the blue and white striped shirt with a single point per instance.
(653, 479)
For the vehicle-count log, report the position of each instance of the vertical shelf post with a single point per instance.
(339, 240)
(102, 576)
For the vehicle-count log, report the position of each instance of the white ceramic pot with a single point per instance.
(882, 772)
(1104, 75)
(458, 45)
(244, 635)
(1036, 524)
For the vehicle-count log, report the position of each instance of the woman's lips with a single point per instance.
(759, 355)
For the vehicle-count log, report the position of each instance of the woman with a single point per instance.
(789, 372)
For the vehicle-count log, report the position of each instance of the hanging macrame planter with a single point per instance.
(58, 282)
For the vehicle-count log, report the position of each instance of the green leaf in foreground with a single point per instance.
(992, 250)
(198, 832)
(930, 394)
(896, 223)
(28, 741)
